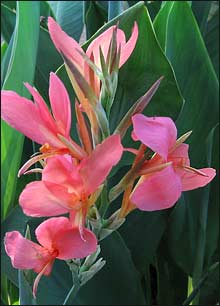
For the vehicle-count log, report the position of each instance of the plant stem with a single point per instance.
(72, 293)
(200, 284)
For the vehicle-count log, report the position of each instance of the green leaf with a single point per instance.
(4, 47)
(48, 60)
(21, 68)
(211, 38)
(114, 8)
(25, 290)
(142, 233)
(118, 282)
(7, 21)
(172, 281)
(69, 15)
(199, 85)
(94, 16)
(209, 294)
(201, 12)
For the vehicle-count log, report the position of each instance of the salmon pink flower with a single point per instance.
(68, 186)
(36, 122)
(84, 80)
(67, 46)
(57, 239)
(168, 172)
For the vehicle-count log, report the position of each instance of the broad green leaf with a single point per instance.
(212, 232)
(211, 38)
(48, 60)
(199, 86)
(25, 290)
(209, 293)
(118, 283)
(4, 47)
(139, 224)
(20, 69)
(171, 280)
(53, 289)
(5, 61)
(94, 16)
(201, 11)
(7, 21)
(152, 6)
(69, 15)
(160, 23)
(114, 8)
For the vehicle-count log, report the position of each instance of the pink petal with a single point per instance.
(60, 104)
(65, 44)
(158, 133)
(98, 165)
(128, 47)
(43, 109)
(191, 180)
(61, 170)
(23, 115)
(48, 231)
(103, 41)
(158, 191)
(68, 198)
(37, 201)
(180, 155)
(24, 253)
(71, 245)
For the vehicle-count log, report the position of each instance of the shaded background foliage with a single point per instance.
(158, 257)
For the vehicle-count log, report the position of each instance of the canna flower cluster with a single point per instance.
(73, 175)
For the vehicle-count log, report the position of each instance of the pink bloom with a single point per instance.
(57, 239)
(68, 186)
(70, 48)
(36, 122)
(159, 187)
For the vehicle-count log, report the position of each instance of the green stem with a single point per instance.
(199, 285)
(69, 300)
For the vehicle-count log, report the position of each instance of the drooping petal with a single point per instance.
(26, 254)
(191, 180)
(48, 231)
(70, 244)
(158, 191)
(128, 47)
(97, 166)
(65, 44)
(37, 201)
(60, 104)
(22, 114)
(158, 133)
(25, 116)
(180, 156)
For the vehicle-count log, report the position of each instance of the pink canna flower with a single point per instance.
(68, 186)
(57, 239)
(71, 49)
(168, 172)
(36, 122)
